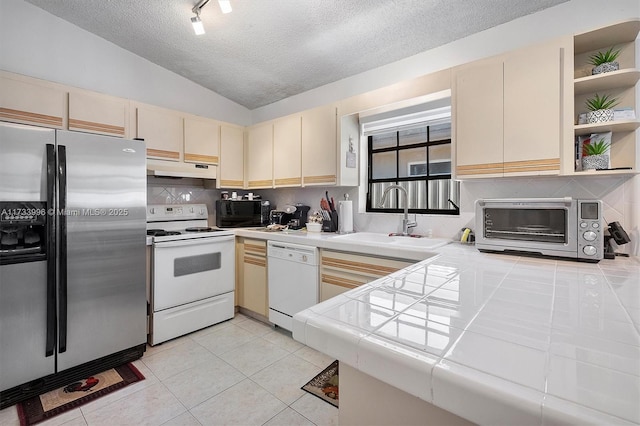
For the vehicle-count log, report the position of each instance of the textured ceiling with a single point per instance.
(267, 50)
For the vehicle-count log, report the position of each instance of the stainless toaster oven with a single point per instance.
(559, 227)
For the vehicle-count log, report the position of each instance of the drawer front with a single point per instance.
(255, 248)
(340, 271)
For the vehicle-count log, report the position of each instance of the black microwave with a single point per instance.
(242, 213)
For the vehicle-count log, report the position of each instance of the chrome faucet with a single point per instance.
(406, 223)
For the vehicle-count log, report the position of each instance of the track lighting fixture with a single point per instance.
(225, 7)
(197, 24)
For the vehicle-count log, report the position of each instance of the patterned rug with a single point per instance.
(73, 395)
(325, 385)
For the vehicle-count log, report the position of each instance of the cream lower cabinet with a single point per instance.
(260, 156)
(511, 112)
(162, 131)
(340, 271)
(287, 147)
(96, 113)
(319, 147)
(24, 100)
(201, 140)
(231, 168)
(252, 282)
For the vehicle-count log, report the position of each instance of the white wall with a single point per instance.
(573, 17)
(38, 44)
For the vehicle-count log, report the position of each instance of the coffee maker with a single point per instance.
(297, 219)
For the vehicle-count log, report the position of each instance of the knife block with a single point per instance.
(331, 225)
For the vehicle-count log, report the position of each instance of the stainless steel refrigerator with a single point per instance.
(72, 257)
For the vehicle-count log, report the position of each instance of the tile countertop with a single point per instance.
(520, 340)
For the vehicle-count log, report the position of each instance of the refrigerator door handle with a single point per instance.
(62, 249)
(51, 251)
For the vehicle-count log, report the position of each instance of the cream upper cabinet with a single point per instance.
(287, 148)
(201, 140)
(510, 113)
(97, 113)
(260, 156)
(162, 131)
(231, 169)
(319, 142)
(478, 110)
(26, 101)
(535, 110)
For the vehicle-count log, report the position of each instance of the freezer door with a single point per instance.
(102, 270)
(23, 286)
(22, 324)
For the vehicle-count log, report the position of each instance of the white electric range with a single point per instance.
(192, 271)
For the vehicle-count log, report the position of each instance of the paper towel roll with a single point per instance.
(345, 212)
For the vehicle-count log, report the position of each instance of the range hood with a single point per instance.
(179, 169)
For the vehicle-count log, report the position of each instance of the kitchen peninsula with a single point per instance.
(493, 339)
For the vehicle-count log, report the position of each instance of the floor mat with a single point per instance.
(325, 385)
(73, 395)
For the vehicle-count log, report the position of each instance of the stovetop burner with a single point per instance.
(161, 232)
(200, 229)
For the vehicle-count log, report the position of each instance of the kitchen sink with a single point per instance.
(428, 243)
(394, 240)
(367, 237)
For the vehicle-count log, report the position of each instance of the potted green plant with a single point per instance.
(600, 108)
(596, 155)
(604, 61)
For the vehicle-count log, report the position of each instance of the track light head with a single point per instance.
(197, 25)
(225, 6)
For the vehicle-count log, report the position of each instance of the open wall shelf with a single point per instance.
(620, 84)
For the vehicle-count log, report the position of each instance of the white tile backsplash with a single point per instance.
(182, 191)
(620, 195)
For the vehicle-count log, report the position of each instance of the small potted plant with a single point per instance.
(600, 108)
(604, 61)
(596, 155)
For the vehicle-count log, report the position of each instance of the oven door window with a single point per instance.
(548, 225)
(195, 264)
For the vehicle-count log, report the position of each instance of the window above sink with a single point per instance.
(411, 147)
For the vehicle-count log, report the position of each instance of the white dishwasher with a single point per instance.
(293, 281)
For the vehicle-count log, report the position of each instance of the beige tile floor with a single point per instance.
(240, 372)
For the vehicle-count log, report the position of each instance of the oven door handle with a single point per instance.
(194, 241)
